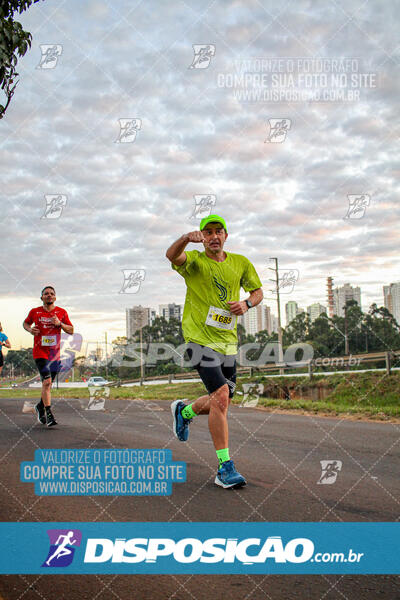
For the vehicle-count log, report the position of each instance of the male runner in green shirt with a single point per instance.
(213, 279)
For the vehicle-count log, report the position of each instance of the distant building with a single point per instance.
(268, 319)
(256, 319)
(169, 311)
(391, 299)
(136, 318)
(314, 310)
(387, 298)
(343, 294)
(291, 310)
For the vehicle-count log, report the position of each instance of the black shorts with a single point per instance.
(215, 369)
(1, 359)
(47, 368)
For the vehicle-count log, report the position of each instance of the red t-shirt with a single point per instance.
(47, 343)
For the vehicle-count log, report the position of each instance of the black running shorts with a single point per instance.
(47, 368)
(1, 359)
(215, 369)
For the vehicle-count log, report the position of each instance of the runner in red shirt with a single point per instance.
(48, 321)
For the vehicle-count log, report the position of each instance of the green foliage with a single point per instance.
(22, 362)
(168, 332)
(297, 331)
(13, 41)
(161, 331)
(374, 331)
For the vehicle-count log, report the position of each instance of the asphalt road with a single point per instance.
(280, 456)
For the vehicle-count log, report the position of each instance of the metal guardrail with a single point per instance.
(335, 361)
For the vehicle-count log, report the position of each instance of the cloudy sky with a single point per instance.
(198, 77)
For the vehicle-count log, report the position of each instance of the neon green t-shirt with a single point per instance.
(210, 285)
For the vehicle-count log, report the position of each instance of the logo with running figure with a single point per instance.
(62, 547)
(55, 204)
(203, 54)
(128, 129)
(132, 280)
(330, 470)
(358, 204)
(278, 129)
(203, 203)
(50, 55)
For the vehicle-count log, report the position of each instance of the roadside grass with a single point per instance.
(373, 395)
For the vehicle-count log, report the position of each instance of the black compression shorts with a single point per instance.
(47, 368)
(215, 369)
(1, 359)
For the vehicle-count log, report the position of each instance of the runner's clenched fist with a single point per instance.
(195, 236)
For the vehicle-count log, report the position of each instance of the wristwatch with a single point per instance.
(249, 304)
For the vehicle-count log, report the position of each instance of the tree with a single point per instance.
(263, 337)
(243, 337)
(169, 332)
(13, 40)
(298, 330)
(120, 341)
(380, 330)
(321, 335)
(21, 360)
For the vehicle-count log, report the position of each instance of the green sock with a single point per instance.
(188, 412)
(223, 455)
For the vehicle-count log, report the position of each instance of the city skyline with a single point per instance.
(120, 330)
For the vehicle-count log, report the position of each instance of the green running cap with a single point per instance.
(212, 219)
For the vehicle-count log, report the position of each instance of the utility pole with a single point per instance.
(105, 343)
(280, 349)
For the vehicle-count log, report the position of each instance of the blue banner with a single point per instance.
(200, 548)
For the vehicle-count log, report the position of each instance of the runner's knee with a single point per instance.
(220, 398)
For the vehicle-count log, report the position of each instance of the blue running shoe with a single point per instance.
(228, 477)
(180, 424)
